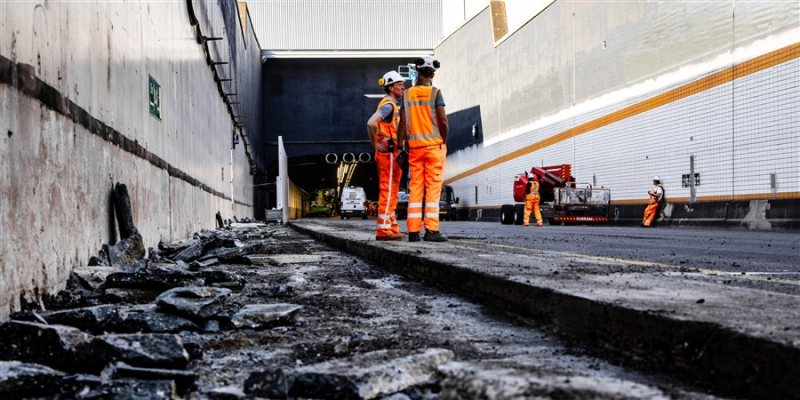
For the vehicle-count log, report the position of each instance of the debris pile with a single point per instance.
(134, 327)
(255, 310)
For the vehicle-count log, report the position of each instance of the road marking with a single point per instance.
(756, 276)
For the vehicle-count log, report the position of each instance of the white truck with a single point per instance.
(353, 202)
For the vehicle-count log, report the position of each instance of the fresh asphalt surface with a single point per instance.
(766, 254)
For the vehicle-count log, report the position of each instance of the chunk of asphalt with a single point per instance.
(242, 226)
(196, 265)
(230, 392)
(196, 302)
(472, 381)
(367, 376)
(23, 380)
(270, 383)
(127, 251)
(154, 278)
(91, 277)
(184, 380)
(97, 319)
(131, 389)
(146, 319)
(278, 259)
(131, 296)
(170, 249)
(229, 254)
(155, 350)
(224, 279)
(190, 253)
(52, 345)
(262, 316)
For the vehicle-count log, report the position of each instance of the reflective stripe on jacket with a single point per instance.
(419, 105)
(389, 130)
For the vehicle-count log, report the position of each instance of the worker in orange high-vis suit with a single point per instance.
(382, 127)
(656, 198)
(423, 127)
(532, 200)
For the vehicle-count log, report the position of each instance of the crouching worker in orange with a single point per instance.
(532, 200)
(423, 125)
(383, 135)
(656, 198)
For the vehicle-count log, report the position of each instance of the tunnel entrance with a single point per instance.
(321, 178)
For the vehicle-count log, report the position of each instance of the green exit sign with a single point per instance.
(155, 98)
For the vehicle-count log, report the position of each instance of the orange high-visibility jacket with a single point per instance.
(419, 105)
(389, 130)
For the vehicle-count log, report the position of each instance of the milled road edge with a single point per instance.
(730, 362)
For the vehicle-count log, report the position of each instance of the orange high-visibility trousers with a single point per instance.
(650, 213)
(532, 204)
(425, 165)
(389, 174)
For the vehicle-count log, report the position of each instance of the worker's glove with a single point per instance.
(402, 159)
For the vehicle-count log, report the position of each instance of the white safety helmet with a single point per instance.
(390, 78)
(656, 178)
(427, 62)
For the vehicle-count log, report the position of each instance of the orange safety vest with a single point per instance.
(419, 105)
(653, 198)
(534, 189)
(389, 130)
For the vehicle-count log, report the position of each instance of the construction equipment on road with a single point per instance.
(562, 199)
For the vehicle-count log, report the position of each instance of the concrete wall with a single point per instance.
(624, 91)
(75, 120)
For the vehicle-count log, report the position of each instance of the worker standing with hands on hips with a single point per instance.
(382, 127)
(656, 198)
(532, 200)
(423, 126)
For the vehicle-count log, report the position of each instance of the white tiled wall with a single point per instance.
(739, 133)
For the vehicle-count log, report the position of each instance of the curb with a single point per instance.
(717, 356)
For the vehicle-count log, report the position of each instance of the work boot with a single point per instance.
(413, 236)
(434, 236)
(392, 237)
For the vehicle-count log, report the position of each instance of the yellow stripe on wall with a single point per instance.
(722, 77)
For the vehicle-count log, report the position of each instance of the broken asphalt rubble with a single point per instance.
(119, 329)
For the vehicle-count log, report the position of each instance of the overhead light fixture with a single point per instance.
(375, 96)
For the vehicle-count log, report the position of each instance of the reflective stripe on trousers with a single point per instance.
(388, 184)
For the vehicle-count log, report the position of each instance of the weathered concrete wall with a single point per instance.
(75, 120)
(624, 91)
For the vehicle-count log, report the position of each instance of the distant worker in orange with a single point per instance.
(423, 126)
(656, 198)
(532, 200)
(382, 127)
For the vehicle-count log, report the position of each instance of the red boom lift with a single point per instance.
(562, 200)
